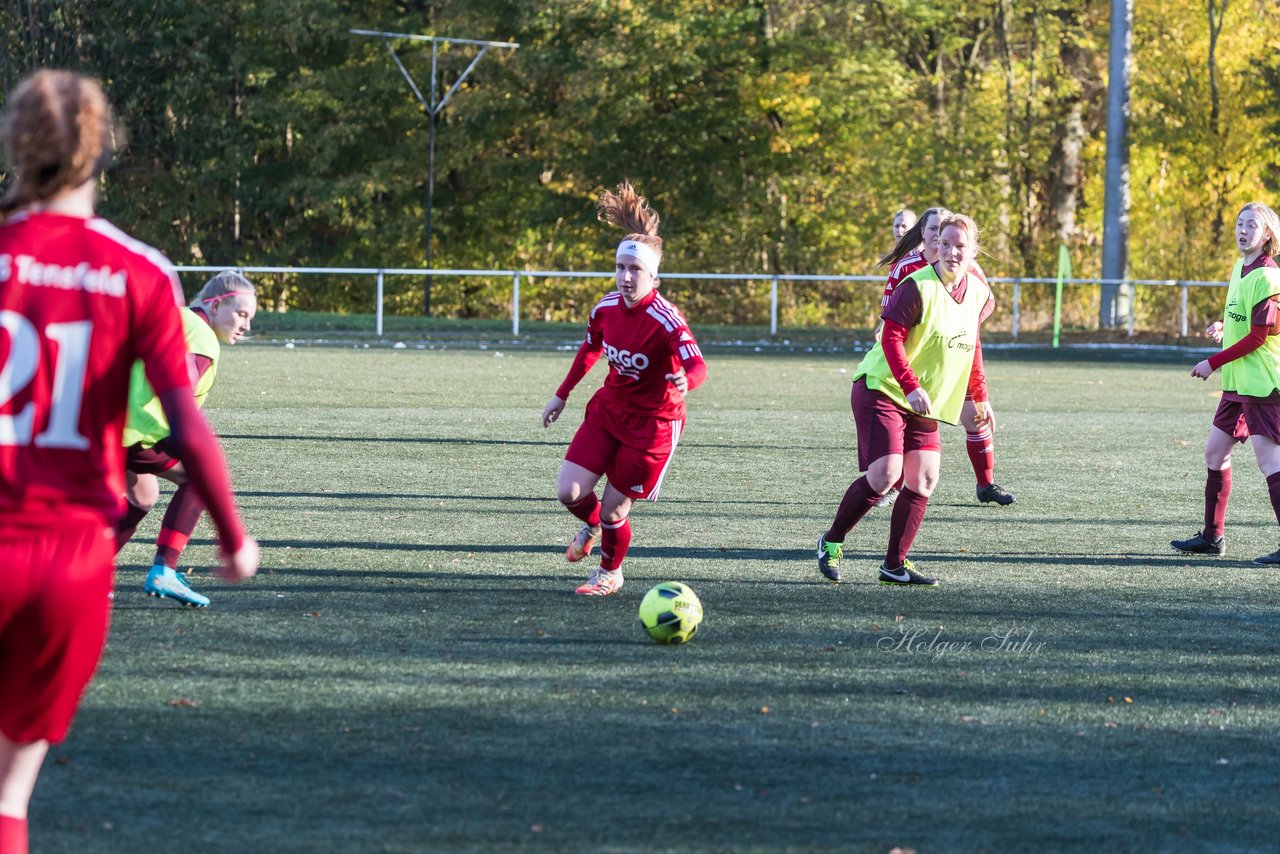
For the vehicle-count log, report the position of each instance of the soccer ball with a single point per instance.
(670, 613)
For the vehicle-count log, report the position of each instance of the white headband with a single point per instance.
(642, 253)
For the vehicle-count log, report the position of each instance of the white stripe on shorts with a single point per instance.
(677, 427)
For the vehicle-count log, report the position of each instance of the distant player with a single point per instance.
(80, 302)
(633, 423)
(1250, 363)
(928, 360)
(902, 222)
(917, 247)
(221, 313)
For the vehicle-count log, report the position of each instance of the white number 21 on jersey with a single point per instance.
(72, 358)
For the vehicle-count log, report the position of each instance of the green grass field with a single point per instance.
(410, 671)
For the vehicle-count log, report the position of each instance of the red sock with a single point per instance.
(586, 508)
(904, 524)
(982, 455)
(13, 835)
(169, 547)
(902, 478)
(1273, 488)
(615, 539)
(858, 499)
(128, 523)
(1217, 488)
(179, 522)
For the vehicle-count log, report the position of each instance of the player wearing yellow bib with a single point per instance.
(1250, 363)
(918, 374)
(220, 314)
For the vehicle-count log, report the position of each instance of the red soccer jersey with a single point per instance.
(909, 263)
(80, 302)
(643, 344)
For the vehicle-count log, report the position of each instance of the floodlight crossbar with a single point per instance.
(431, 38)
(409, 79)
(461, 77)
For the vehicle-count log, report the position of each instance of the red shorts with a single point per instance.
(53, 624)
(1240, 419)
(885, 428)
(632, 451)
(153, 460)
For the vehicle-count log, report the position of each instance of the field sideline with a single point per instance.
(410, 671)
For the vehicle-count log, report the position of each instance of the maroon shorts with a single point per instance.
(885, 428)
(632, 451)
(53, 624)
(1240, 419)
(153, 460)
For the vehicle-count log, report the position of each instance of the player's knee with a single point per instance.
(613, 516)
(143, 505)
(925, 485)
(883, 477)
(1215, 460)
(144, 494)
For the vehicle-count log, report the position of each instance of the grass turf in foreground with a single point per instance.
(411, 673)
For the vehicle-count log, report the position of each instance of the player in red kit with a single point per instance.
(633, 423)
(917, 248)
(80, 301)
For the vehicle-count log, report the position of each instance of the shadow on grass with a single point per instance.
(449, 776)
(412, 440)
(549, 500)
(943, 512)
(424, 784)
(463, 440)
(1127, 560)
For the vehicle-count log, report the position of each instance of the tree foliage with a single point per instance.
(774, 136)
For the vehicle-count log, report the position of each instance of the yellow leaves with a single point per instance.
(792, 108)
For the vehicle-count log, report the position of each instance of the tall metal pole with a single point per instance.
(431, 200)
(1115, 216)
(428, 281)
(432, 107)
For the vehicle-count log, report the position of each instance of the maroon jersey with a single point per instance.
(80, 302)
(643, 344)
(909, 263)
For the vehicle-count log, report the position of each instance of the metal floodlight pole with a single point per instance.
(1115, 216)
(432, 106)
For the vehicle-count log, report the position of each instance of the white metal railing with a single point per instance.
(379, 275)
